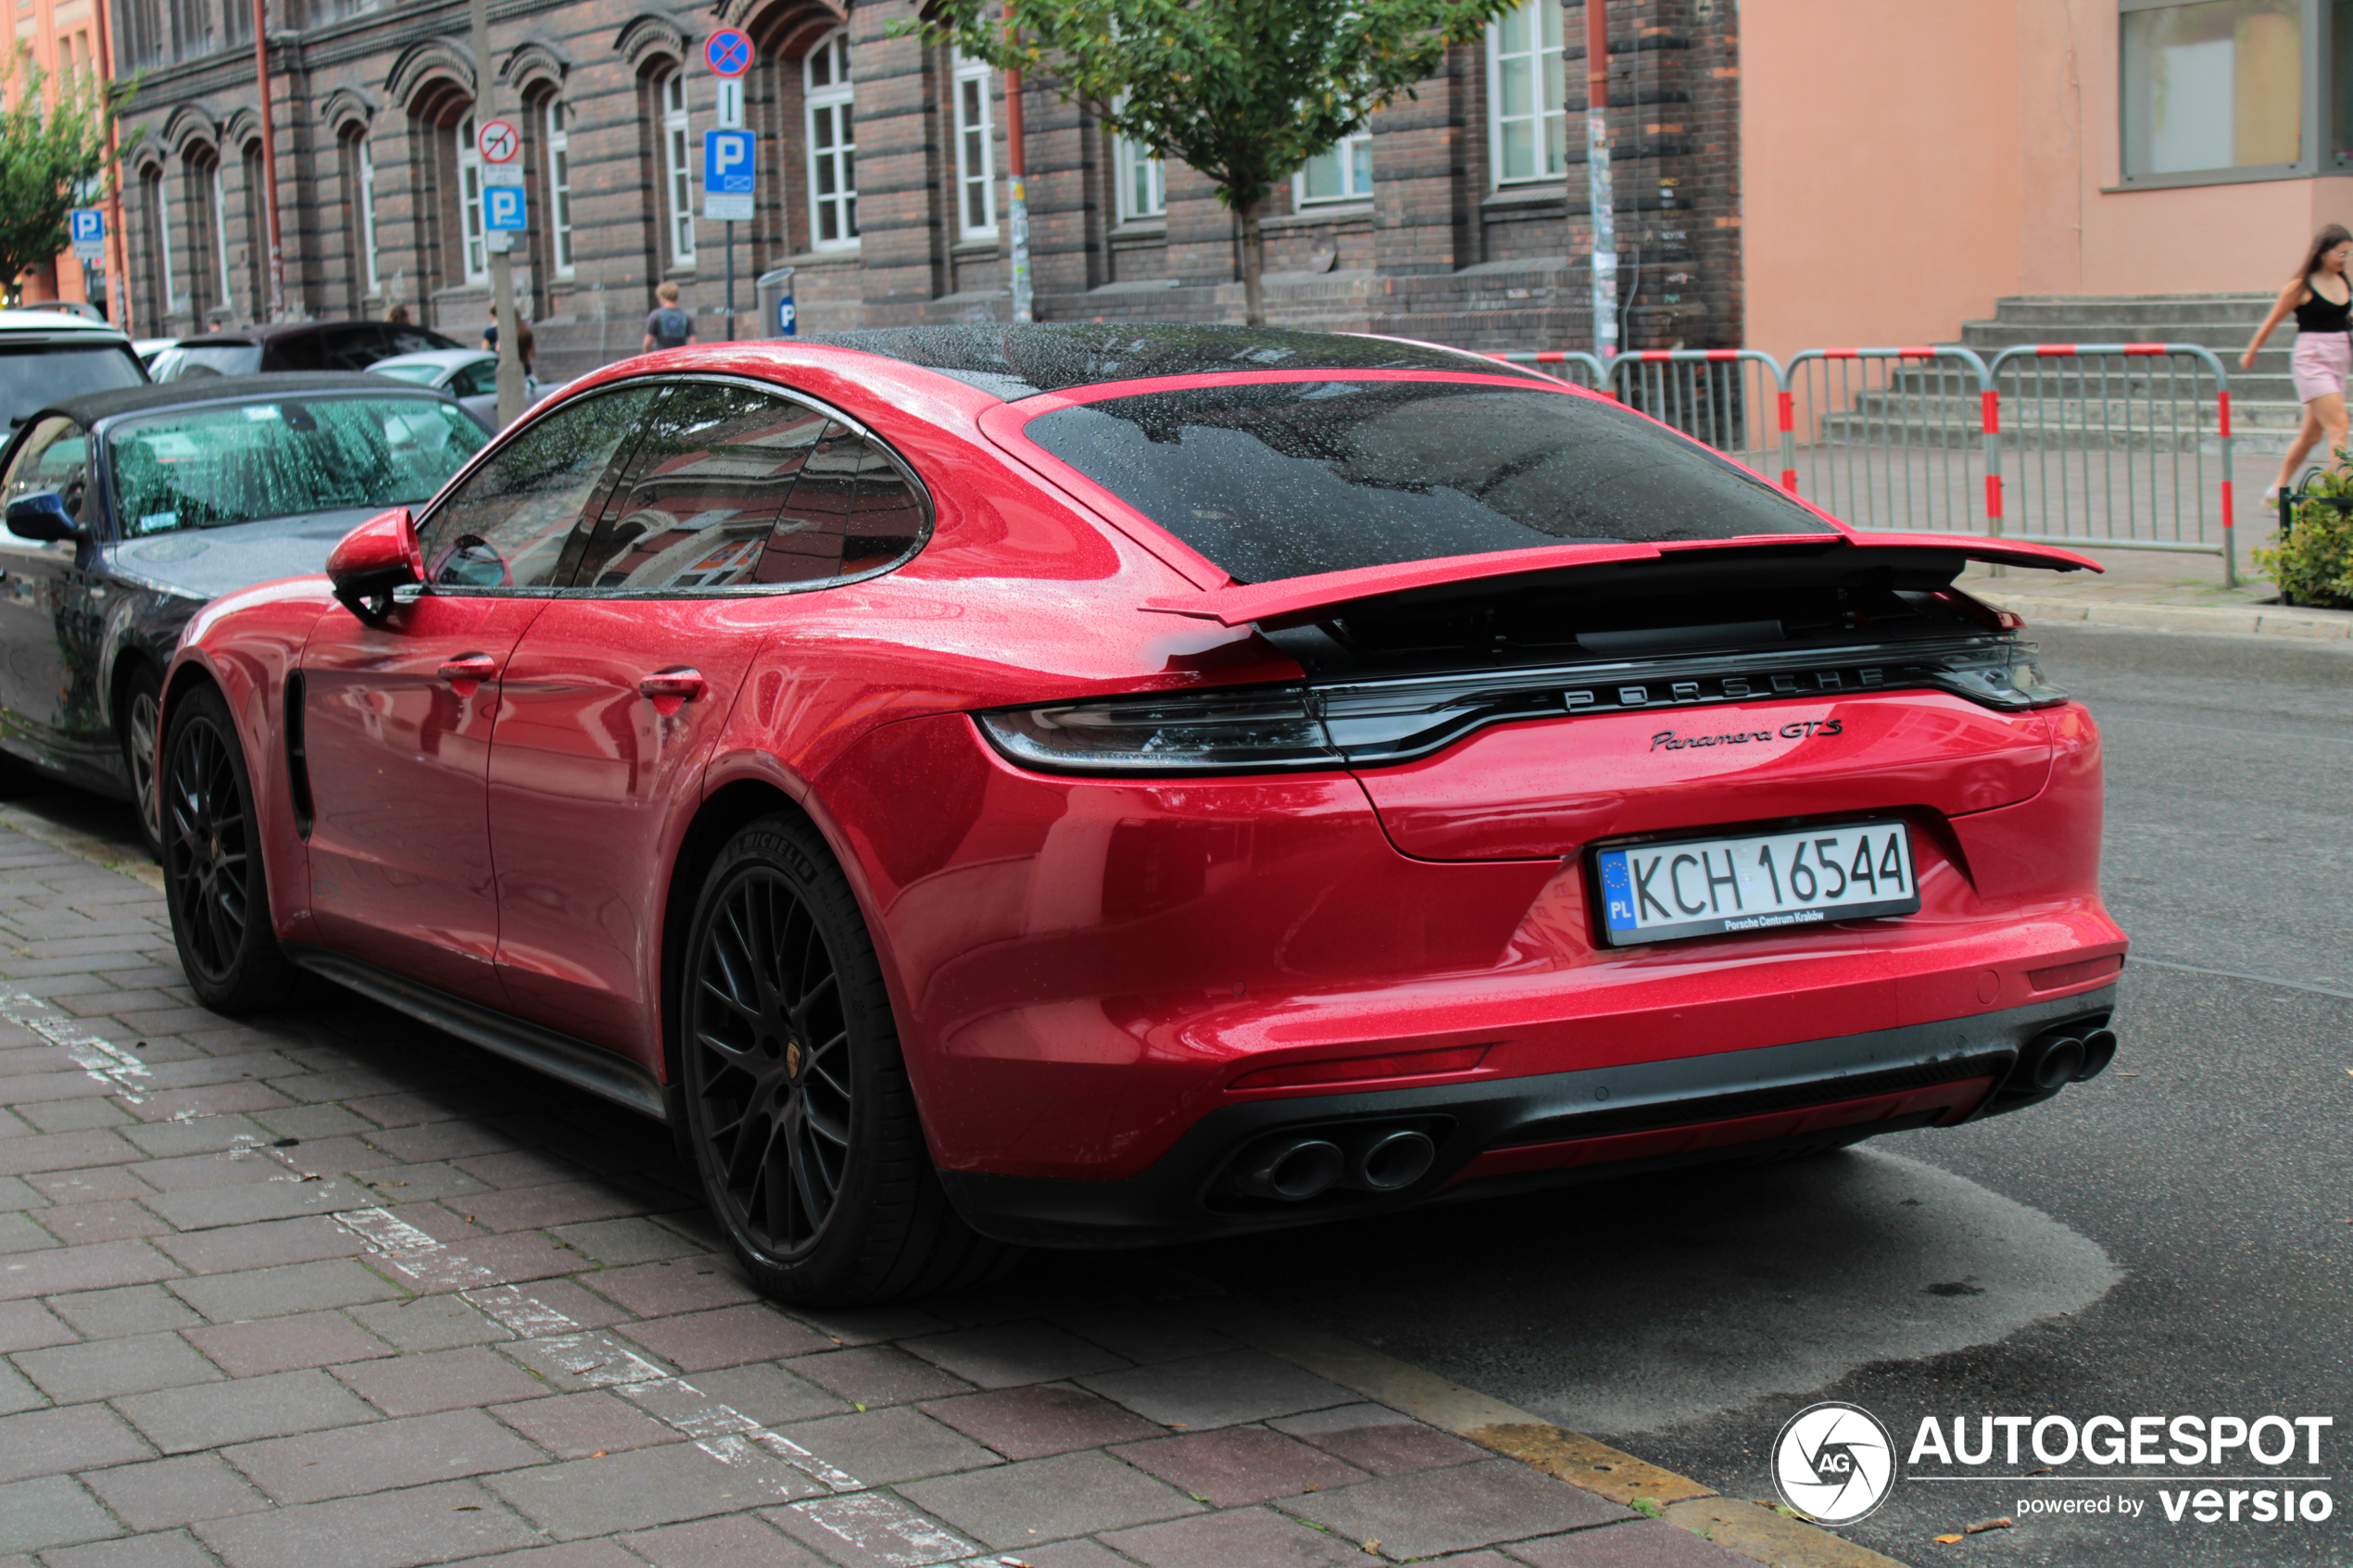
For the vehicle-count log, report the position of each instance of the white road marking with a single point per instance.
(103, 1059)
(883, 1528)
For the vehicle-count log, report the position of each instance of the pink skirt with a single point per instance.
(2320, 364)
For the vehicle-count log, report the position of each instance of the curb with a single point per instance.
(1758, 1530)
(97, 851)
(2272, 619)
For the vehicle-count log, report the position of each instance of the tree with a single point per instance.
(54, 156)
(1244, 91)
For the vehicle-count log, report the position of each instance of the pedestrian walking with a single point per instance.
(668, 326)
(526, 346)
(2322, 297)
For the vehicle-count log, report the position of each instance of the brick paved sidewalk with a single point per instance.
(334, 1291)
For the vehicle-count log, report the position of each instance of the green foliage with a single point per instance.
(53, 153)
(1243, 91)
(2314, 564)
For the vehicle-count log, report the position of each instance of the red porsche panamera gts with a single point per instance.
(1094, 786)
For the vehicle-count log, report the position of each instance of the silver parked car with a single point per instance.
(470, 375)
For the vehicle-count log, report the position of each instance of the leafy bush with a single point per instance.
(2314, 564)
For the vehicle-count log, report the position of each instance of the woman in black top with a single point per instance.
(2322, 297)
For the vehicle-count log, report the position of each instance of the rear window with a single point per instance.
(1277, 479)
(209, 359)
(34, 377)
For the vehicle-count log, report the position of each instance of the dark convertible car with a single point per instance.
(127, 510)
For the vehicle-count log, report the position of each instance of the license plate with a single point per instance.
(1768, 881)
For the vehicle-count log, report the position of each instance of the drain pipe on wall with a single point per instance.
(1604, 219)
(1017, 208)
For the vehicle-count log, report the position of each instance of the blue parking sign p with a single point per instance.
(87, 225)
(727, 168)
(502, 207)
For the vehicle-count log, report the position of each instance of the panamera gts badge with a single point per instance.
(1796, 729)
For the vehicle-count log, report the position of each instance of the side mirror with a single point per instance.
(372, 560)
(42, 517)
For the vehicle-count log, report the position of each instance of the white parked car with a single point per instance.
(470, 375)
(47, 356)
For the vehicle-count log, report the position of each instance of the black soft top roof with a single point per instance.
(1016, 361)
(188, 391)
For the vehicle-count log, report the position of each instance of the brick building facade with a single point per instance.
(1460, 216)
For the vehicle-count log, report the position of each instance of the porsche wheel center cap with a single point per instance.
(792, 1059)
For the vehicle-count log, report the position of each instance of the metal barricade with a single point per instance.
(1728, 399)
(2120, 445)
(1577, 368)
(1895, 438)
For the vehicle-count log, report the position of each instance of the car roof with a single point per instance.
(16, 323)
(1023, 359)
(434, 356)
(91, 408)
(272, 332)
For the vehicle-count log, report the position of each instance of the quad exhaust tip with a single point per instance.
(1376, 1160)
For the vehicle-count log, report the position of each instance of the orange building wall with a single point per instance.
(63, 37)
(1905, 167)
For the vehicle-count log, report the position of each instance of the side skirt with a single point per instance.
(560, 1056)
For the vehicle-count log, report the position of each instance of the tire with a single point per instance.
(213, 878)
(142, 705)
(799, 1115)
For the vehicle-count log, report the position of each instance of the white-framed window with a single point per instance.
(165, 239)
(833, 143)
(367, 215)
(1527, 126)
(220, 234)
(558, 119)
(2213, 86)
(1343, 172)
(975, 151)
(1143, 185)
(476, 257)
(677, 167)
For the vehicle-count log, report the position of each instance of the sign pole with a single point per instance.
(730, 154)
(502, 276)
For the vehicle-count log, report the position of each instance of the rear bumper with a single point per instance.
(1502, 1135)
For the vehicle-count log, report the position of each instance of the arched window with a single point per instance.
(1527, 126)
(557, 116)
(359, 171)
(477, 252)
(833, 143)
(976, 152)
(256, 232)
(677, 167)
(155, 200)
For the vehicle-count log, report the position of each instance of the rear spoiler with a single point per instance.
(1294, 600)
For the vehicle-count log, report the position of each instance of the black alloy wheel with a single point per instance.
(213, 877)
(792, 1097)
(141, 730)
(773, 1064)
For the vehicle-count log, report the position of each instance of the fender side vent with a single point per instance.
(297, 759)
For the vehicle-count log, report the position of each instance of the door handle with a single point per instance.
(670, 689)
(468, 670)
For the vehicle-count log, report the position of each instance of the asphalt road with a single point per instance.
(2174, 1238)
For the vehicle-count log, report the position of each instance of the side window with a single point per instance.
(509, 524)
(476, 379)
(300, 351)
(346, 348)
(55, 457)
(404, 340)
(852, 511)
(698, 500)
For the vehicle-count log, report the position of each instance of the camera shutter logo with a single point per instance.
(1833, 1462)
